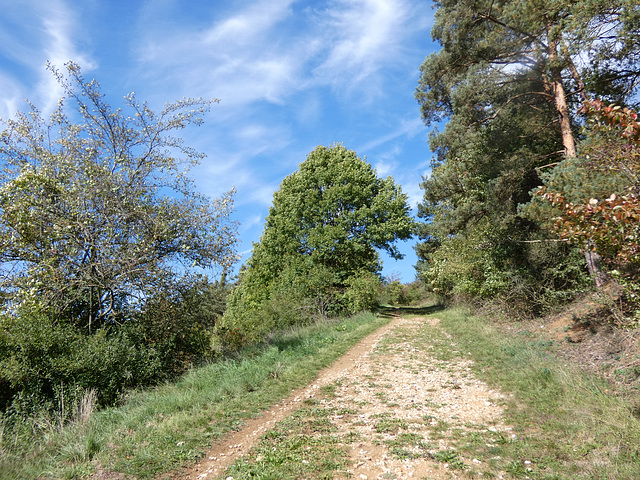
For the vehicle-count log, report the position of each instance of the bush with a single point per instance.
(300, 293)
(534, 275)
(390, 292)
(395, 293)
(47, 362)
(360, 293)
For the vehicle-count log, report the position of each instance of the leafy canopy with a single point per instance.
(336, 211)
(328, 221)
(508, 81)
(609, 222)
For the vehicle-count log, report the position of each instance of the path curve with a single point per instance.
(237, 444)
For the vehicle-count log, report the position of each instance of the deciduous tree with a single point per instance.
(96, 212)
(328, 221)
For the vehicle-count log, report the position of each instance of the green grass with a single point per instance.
(301, 446)
(567, 426)
(172, 425)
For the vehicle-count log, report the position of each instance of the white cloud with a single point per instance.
(386, 163)
(413, 191)
(408, 128)
(248, 26)
(251, 222)
(39, 32)
(12, 96)
(262, 194)
(265, 51)
(237, 58)
(255, 139)
(364, 35)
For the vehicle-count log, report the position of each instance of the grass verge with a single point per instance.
(172, 425)
(568, 425)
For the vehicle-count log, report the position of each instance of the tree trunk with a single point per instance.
(594, 265)
(592, 258)
(560, 98)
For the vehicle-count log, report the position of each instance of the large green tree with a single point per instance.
(493, 43)
(336, 211)
(326, 225)
(508, 82)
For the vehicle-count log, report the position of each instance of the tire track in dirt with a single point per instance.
(409, 384)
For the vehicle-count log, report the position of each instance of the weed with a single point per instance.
(450, 457)
(328, 390)
(390, 425)
(407, 446)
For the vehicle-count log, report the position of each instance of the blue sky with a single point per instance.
(291, 75)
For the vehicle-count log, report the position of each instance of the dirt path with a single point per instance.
(409, 410)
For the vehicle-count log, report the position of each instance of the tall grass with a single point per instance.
(568, 424)
(172, 425)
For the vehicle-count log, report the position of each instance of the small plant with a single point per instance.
(390, 425)
(407, 446)
(451, 458)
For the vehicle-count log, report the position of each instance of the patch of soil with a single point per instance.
(586, 334)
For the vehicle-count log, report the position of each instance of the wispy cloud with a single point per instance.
(59, 27)
(236, 58)
(407, 128)
(262, 51)
(12, 96)
(41, 32)
(363, 35)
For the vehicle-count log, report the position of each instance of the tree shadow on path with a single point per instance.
(391, 311)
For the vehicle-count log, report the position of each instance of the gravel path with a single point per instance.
(407, 408)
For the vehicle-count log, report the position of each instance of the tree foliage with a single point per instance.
(509, 81)
(502, 43)
(326, 225)
(95, 209)
(336, 211)
(609, 224)
(103, 245)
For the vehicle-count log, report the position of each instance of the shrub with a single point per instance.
(360, 293)
(395, 293)
(46, 362)
(390, 292)
(301, 292)
(534, 275)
